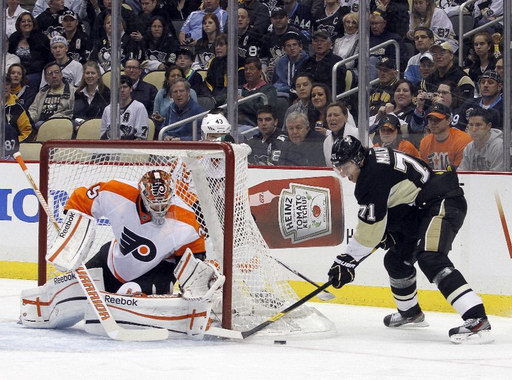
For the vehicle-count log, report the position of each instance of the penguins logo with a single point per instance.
(141, 248)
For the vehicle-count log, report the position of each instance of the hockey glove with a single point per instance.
(388, 241)
(342, 270)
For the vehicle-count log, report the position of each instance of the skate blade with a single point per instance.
(481, 337)
(412, 325)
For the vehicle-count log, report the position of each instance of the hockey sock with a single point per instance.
(405, 295)
(460, 295)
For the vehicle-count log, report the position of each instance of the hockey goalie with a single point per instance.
(157, 242)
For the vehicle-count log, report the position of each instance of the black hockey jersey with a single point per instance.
(388, 178)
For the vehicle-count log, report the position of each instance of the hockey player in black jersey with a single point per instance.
(414, 214)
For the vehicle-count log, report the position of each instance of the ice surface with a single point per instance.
(363, 349)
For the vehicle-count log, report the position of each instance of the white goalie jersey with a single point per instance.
(138, 245)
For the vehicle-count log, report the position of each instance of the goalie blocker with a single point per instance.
(60, 303)
(73, 242)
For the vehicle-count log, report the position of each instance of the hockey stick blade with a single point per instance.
(324, 296)
(97, 302)
(276, 317)
(223, 333)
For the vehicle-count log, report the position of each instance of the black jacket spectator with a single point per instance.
(397, 15)
(260, 150)
(144, 93)
(80, 46)
(321, 71)
(86, 111)
(49, 23)
(454, 74)
(40, 53)
(259, 14)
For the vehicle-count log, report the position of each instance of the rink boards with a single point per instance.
(299, 214)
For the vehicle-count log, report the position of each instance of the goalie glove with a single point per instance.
(342, 270)
(73, 242)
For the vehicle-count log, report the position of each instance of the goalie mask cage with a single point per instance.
(212, 179)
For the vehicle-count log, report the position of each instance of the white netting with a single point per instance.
(259, 287)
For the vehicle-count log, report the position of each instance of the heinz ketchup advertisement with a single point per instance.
(299, 212)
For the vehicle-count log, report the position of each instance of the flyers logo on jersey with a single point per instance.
(141, 248)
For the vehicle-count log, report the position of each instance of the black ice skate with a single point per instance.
(473, 331)
(398, 320)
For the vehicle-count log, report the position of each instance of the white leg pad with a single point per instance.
(59, 303)
(198, 279)
(180, 316)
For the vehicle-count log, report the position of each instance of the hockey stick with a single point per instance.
(324, 295)
(276, 317)
(92, 293)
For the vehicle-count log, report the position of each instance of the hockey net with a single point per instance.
(212, 179)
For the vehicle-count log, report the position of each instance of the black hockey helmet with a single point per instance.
(347, 149)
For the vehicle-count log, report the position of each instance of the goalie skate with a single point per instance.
(473, 331)
(397, 320)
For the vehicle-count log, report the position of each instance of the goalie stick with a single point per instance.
(92, 293)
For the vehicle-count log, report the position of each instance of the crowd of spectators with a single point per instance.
(59, 51)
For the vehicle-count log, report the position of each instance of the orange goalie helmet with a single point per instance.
(156, 191)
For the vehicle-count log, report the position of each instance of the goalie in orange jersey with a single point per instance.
(152, 229)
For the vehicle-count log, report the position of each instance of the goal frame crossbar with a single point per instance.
(229, 155)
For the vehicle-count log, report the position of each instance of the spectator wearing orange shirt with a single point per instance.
(444, 145)
(389, 136)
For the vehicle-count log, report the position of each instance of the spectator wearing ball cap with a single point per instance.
(378, 35)
(446, 69)
(320, 64)
(427, 66)
(423, 40)
(79, 43)
(491, 98)
(184, 60)
(444, 146)
(49, 20)
(382, 92)
(289, 64)
(271, 43)
(389, 135)
(71, 70)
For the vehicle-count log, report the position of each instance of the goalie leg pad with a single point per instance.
(73, 242)
(180, 316)
(59, 303)
(198, 279)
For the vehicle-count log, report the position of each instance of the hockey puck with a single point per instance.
(279, 341)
